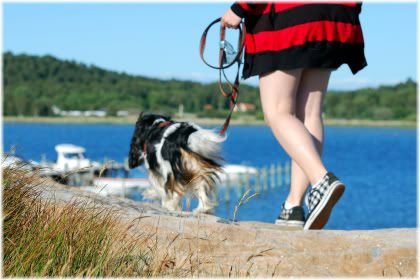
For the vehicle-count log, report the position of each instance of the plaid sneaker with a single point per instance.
(293, 217)
(321, 201)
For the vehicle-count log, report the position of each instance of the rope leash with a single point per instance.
(233, 88)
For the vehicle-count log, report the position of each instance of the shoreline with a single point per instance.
(203, 121)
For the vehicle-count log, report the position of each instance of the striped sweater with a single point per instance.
(283, 36)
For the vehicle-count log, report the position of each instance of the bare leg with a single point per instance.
(310, 93)
(278, 92)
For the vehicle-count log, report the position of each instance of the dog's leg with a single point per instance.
(171, 202)
(157, 184)
(206, 201)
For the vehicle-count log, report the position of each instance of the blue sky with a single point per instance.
(161, 40)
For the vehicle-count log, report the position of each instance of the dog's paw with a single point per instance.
(199, 211)
(172, 208)
(151, 194)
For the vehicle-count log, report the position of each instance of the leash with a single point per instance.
(233, 88)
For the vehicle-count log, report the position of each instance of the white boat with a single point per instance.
(139, 183)
(234, 171)
(123, 186)
(117, 186)
(72, 158)
(231, 174)
(116, 180)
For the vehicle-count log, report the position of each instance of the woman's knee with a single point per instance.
(311, 93)
(271, 117)
(309, 113)
(278, 94)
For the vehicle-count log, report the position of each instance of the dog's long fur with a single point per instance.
(180, 157)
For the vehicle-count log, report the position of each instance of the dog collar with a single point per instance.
(163, 124)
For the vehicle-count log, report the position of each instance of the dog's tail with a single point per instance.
(206, 143)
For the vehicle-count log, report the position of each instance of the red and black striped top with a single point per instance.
(283, 36)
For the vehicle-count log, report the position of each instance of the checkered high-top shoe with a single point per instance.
(293, 217)
(321, 200)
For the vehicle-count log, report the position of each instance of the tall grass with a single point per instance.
(241, 201)
(42, 238)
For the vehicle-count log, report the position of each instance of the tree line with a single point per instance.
(33, 84)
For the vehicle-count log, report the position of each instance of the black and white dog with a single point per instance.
(180, 157)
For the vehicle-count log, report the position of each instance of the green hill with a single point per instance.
(398, 102)
(32, 84)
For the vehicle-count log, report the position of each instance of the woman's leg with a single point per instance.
(310, 93)
(278, 98)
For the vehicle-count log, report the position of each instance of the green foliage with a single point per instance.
(384, 103)
(32, 84)
(213, 114)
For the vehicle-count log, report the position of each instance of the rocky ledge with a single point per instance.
(263, 250)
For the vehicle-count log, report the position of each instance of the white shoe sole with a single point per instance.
(322, 212)
(290, 223)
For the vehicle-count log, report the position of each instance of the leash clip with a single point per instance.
(229, 53)
(227, 57)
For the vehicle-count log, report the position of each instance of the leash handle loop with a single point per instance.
(233, 88)
(241, 43)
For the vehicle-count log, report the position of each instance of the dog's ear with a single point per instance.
(135, 156)
(141, 116)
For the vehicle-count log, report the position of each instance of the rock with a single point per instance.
(264, 250)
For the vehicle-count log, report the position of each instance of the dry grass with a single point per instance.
(42, 238)
(241, 201)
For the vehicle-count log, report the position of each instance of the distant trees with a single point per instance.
(32, 84)
(383, 103)
(21, 97)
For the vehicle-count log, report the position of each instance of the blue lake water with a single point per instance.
(378, 166)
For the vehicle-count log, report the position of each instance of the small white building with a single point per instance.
(72, 113)
(55, 110)
(94, 113)
(244, 107)
(78, 113)
(122, 113)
